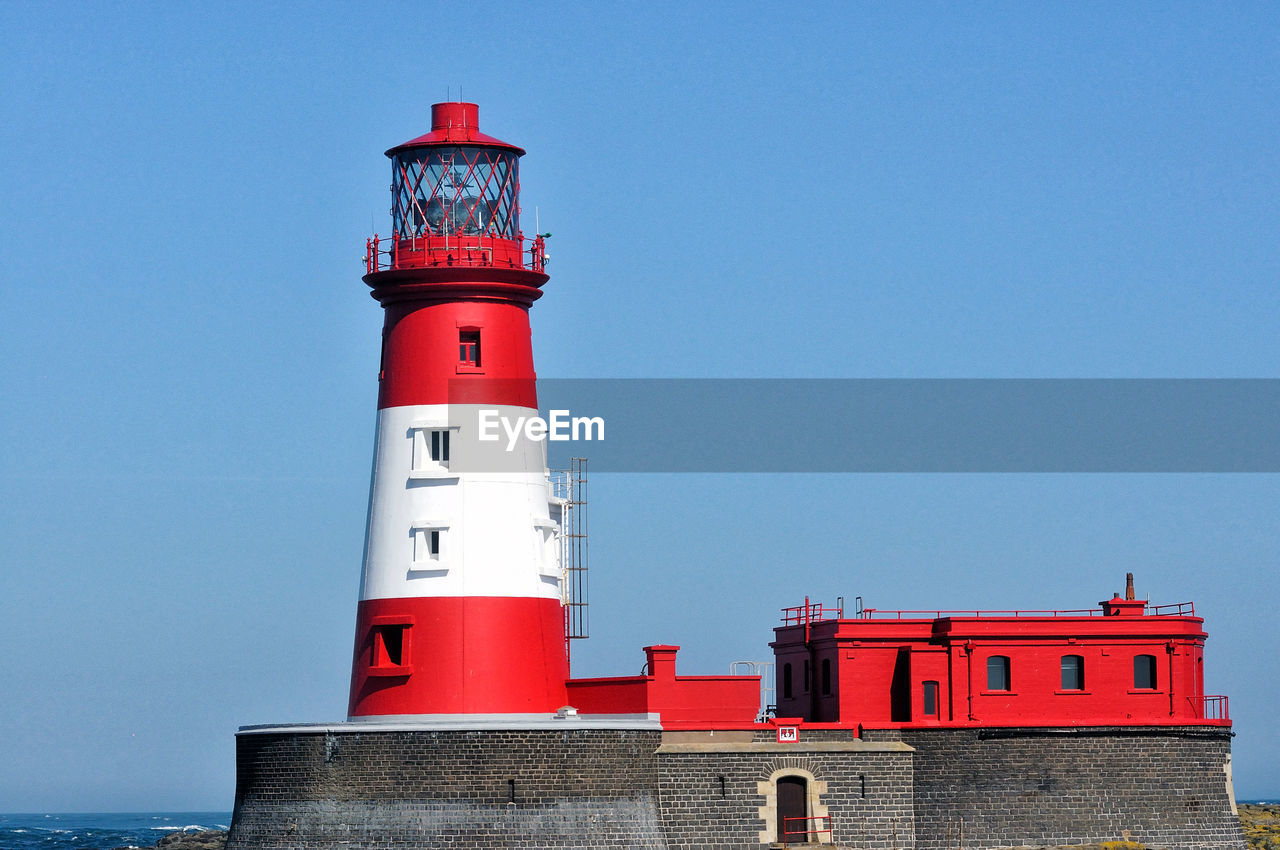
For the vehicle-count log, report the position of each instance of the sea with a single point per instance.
(101, 831)
(107, 831)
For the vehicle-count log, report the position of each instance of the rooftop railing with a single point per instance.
(816, 611)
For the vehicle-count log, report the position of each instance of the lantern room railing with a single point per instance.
(479, 251)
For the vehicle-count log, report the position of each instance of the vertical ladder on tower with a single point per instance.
(572, 490)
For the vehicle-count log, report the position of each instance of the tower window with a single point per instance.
(388, 646)
(1072, 673)
(998, 673)
(431, 448)
(427, 544)
(786, 681)
(440, 446)
(826, 677)
(469, 348)
(930, 693)
(1144, 672)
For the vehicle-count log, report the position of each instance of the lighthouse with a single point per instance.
(460, 611)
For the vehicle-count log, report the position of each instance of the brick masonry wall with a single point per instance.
(867, 795)
(1013, 787)
(422, 789)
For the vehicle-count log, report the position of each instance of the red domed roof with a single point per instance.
(455, 124)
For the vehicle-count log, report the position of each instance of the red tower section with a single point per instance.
(460, 605)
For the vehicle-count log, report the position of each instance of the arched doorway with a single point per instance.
(793, 808)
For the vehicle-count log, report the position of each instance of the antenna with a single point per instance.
(537, 223)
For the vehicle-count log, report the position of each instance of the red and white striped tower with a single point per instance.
(460, 603)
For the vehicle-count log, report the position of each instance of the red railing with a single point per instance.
(1180, 609)
(821, 826)
(1177, 609)
(429, 252)
(1213, 707)
(802, 615)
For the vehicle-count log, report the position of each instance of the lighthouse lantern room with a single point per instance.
(460, 609)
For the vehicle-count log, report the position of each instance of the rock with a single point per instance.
(210, 839)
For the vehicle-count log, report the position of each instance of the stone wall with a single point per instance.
(718, 794)
(1163, 787)
(437, 789)
(642, 788)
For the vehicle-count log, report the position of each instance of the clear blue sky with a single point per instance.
(188, 359)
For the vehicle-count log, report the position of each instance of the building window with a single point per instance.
(786, 681)
(930, 693)
(826, 677)
(1144, 672)
(388, 646)
(429, 545)
(431, 448)
(469, 348)
(440, 447)
(998, 673)
(426, 544)
(1073, 673)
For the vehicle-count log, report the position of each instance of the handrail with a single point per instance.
(807, 830)
(471, 250)
(800, 615)
(1214, 707)
(813, 612)
(1179, 609)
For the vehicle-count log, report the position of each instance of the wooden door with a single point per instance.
(792, 803)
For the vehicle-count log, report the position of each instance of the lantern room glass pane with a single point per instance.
(446, 191)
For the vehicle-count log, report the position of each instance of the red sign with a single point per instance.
(788, 734)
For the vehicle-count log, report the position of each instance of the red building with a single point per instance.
(1123, 663)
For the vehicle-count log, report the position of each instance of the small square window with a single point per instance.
(388, 646)
(432, 450)
(428, 544)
